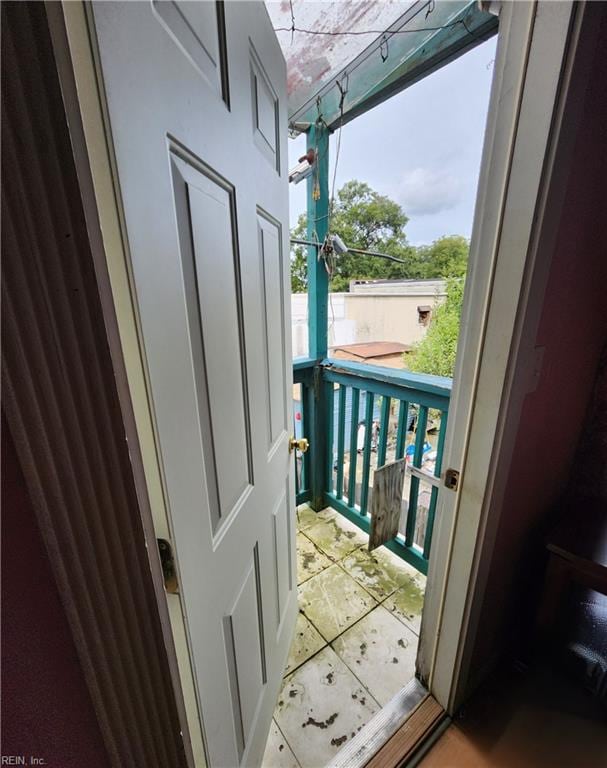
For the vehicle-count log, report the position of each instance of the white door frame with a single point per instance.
(497, 362)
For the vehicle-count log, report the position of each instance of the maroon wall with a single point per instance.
(590, 465)
(46, 708)
(573, 331)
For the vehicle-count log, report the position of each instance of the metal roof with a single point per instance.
(353, 54)
(370, 349)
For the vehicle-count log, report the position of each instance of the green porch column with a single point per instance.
(318, 219)
(318, 299)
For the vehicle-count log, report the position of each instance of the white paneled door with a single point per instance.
(196, 96)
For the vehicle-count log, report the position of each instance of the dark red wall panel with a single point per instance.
(46, 708)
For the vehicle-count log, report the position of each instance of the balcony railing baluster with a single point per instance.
(382, 442)
(341, 432)
(330, 394)
(434, 493)
(415, 395)
(354, 404)
(364, 491)
(420, 439)
(401, 433)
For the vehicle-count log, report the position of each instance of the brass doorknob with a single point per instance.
(300, 445)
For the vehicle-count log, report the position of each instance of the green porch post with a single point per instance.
(318, 298)
(318, 219)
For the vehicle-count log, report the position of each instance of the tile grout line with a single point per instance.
(326, 643)
(379, 602)
(376, 602)
(357, 584)
(346, 663)
(362, 586)
(330, 642)
(364, 616)
(286, 741)
(319, 550)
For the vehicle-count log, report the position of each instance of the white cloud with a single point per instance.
(426, 191)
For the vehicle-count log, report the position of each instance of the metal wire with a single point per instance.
(355, 33)
(299, 241)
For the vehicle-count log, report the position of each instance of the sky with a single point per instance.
(421, 147)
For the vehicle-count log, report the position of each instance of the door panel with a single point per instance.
(199, 29)
(282, 530)
(246, 652)
(265, 111)
(205, 206)
(274, 331)
(205, 215)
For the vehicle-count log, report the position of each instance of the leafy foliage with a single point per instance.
(446, 257)
(435, 353)
(363, 219)
(299, 270)
(367, 220)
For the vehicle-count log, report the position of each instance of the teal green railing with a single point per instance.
(374, 416)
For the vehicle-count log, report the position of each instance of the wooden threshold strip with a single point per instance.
(397, 715)
(398, 750)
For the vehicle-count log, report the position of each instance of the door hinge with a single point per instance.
(169, 571)
(452, 479)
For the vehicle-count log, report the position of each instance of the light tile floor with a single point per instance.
(355, 640)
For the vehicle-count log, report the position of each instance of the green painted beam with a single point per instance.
(318, 219)
(443, 48)
(414, 46)
(318, 301)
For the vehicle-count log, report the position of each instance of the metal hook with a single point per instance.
(384, 51)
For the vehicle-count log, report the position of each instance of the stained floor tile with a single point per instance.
(325, 699)
(310, 560)
(278, 754)
(408, 601)
(321, 707)
(333, 601)
(381, 651)
(306, 641)
(336, 537)
(380, 572)
(307, 517)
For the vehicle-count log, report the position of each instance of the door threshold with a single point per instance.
(395, 733)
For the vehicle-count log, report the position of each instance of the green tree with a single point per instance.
(367, 220)
(372, 222)
(299, 268)
(435, 353)
(446, 257)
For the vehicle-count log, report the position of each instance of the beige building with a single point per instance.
(378, 310)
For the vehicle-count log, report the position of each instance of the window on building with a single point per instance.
(423, 314)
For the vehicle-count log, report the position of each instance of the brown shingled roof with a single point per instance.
(368, 350)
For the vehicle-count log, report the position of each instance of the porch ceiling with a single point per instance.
(389, 45)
